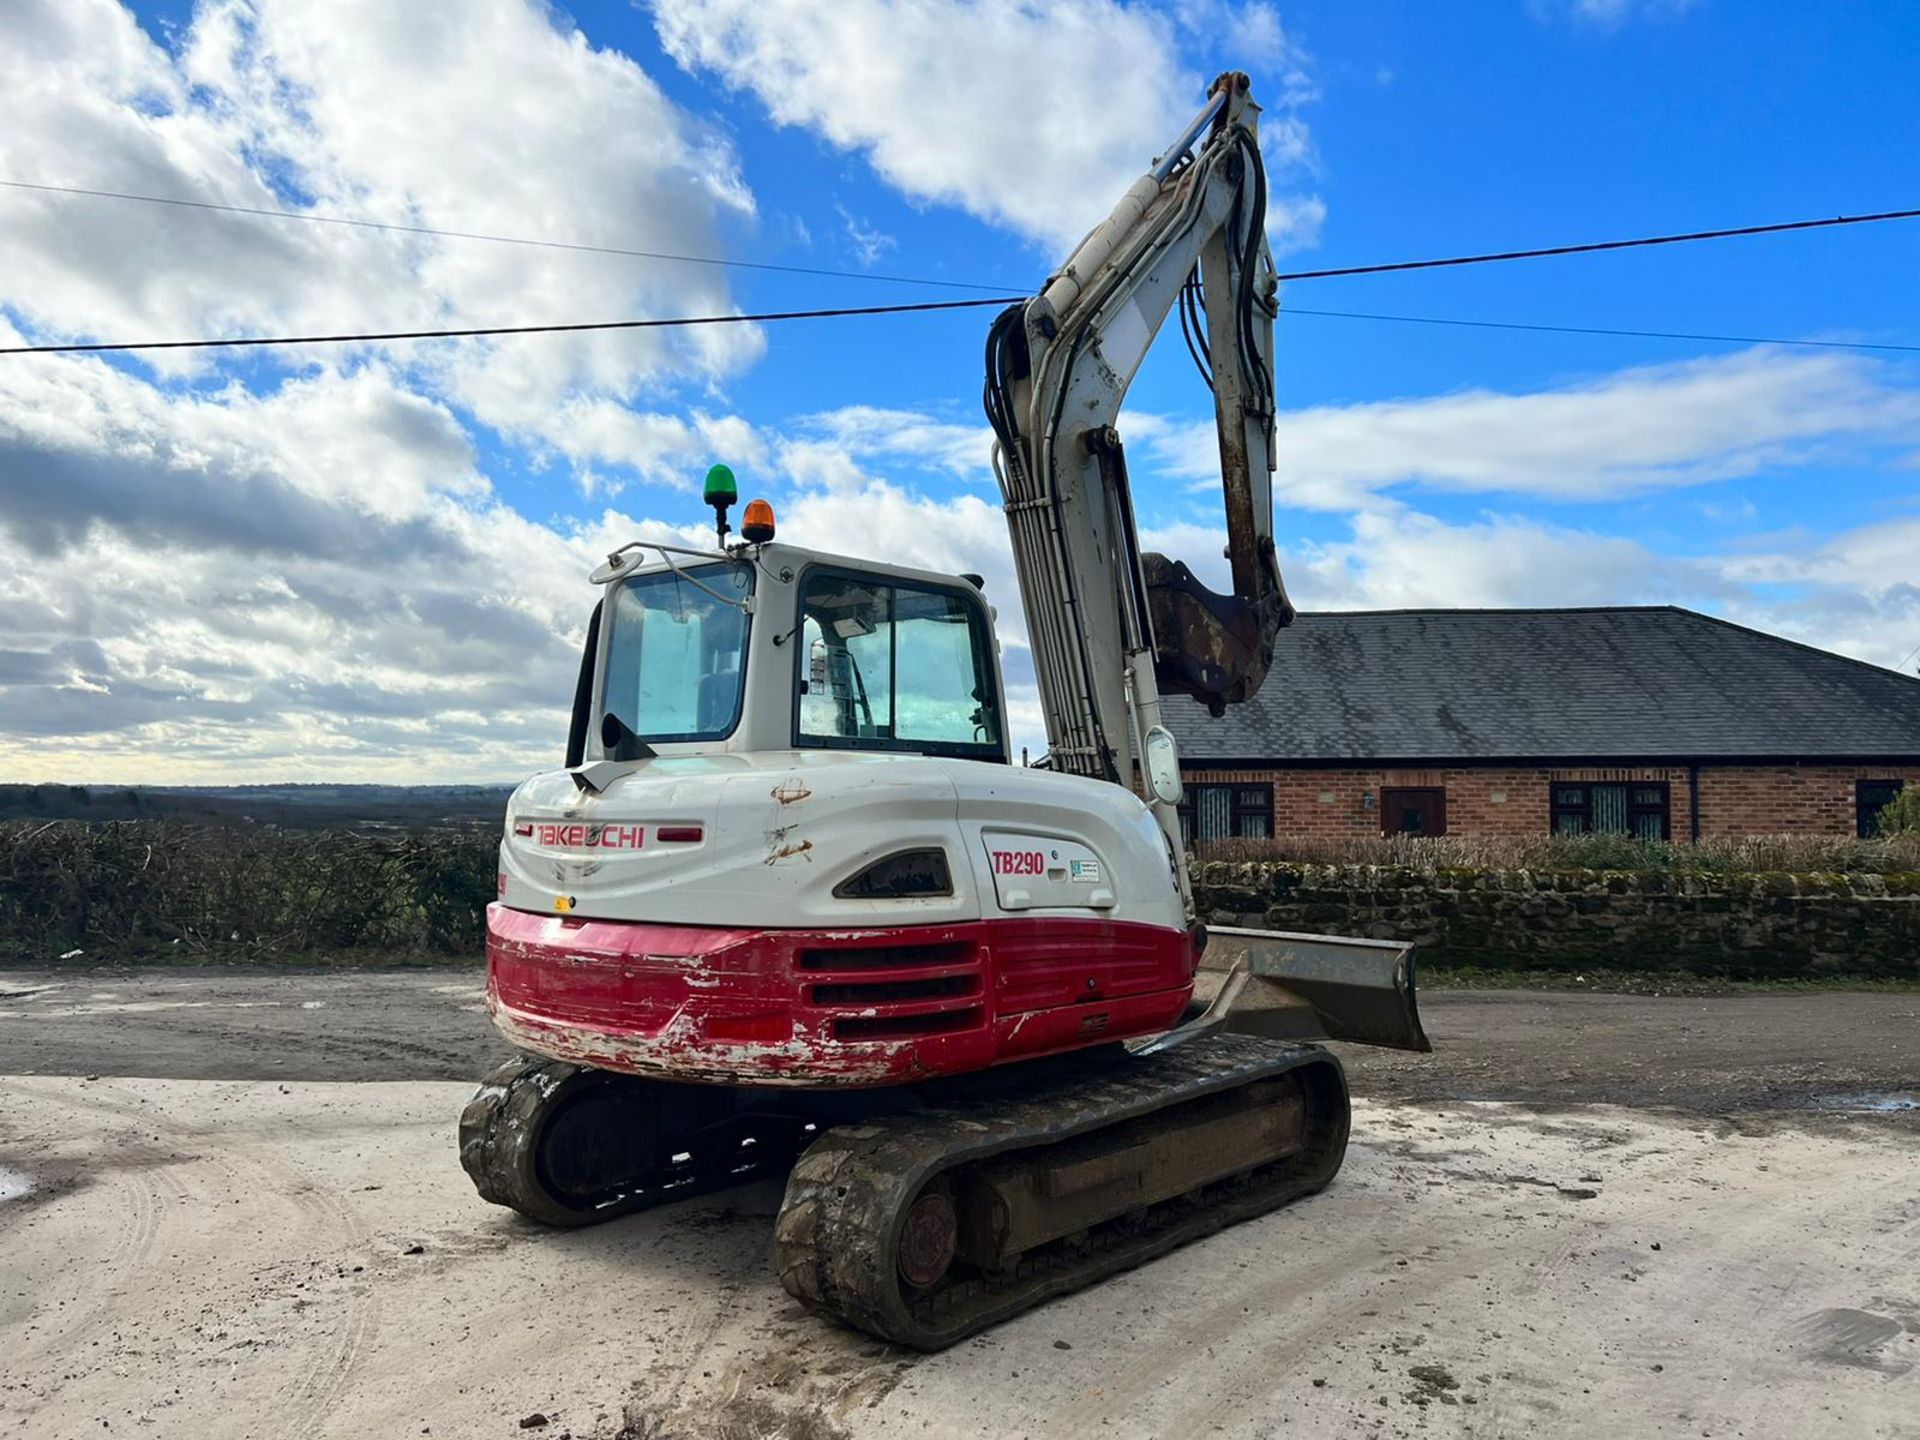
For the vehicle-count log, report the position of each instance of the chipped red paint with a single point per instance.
(827, 1007)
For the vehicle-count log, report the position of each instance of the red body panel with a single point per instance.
(827, 1007)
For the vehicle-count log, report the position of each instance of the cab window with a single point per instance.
(674, 647)
(890, 666)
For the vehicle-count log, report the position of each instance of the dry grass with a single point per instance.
(1799, 854)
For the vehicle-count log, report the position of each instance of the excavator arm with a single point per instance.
(1113, 628)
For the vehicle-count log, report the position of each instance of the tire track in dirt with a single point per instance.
(325, 1220)
(1301, 1289)
(757, 1365)
(128, 1250)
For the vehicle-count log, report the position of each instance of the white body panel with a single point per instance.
(780, 830)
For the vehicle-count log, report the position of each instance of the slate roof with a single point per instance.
(1628, 682)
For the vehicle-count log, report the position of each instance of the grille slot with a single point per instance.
(918, 990)
(886, 992)
(889, 957)
(905, 1027)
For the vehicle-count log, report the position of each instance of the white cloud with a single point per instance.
(1851, 594)
(662, 448)
(830, 448)
(199, 599)
(869, 243)
(1401, 559)
(1642, 429)
(313, 580)
(317, 582)
(1406, 560)
(495, 118)
(1857, 592)
(1610, 13)
(1004, 108)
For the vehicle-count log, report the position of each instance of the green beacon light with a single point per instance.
(720, 492)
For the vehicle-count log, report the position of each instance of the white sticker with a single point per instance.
(1085, 872)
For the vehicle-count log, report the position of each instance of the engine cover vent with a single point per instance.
(905, 875)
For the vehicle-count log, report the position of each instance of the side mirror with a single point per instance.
(619, 742)
(1163, 766)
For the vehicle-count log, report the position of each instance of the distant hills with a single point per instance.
(307, 807)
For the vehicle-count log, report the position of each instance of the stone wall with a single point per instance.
(1766, 925)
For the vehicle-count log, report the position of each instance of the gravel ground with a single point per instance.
(1585, 1214)
(1695, 1053)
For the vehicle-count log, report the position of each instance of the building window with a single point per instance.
(1413, 812)
(1226, 812)
(1870, 797)
(1639, 810)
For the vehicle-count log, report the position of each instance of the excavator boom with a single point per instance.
(1113, 627)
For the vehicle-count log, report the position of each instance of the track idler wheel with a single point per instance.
(929, 1237)
(562, 1144)
(571, 1145)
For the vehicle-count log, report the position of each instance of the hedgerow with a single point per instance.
(157, 889)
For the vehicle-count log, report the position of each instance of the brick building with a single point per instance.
(1651, 721)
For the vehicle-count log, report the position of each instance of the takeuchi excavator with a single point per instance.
(790, 908)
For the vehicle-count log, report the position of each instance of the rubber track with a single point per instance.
(500, 1133)
(848, 1195)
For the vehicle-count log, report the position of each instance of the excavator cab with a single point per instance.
(768, 647)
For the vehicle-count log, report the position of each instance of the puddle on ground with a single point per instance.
(24, 992)
(13, 1184)
(1870, 1102)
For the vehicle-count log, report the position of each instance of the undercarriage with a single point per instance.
(922, 1214)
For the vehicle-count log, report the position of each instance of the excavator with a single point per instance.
(789, 907)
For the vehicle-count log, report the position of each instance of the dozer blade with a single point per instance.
(1294, 987)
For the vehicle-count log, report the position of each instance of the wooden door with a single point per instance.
(1413, 812)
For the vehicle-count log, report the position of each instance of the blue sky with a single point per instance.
(367, 564)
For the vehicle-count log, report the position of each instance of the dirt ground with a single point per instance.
(230, 1206)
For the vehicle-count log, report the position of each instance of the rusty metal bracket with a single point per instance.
(1210, 1021)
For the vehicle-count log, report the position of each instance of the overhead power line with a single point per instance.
(670, 323)
(309, 217)
(834, 314)
(1598, 330)
(846, 311)
(1389, 267)
(1594, 247)
(680, 322)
